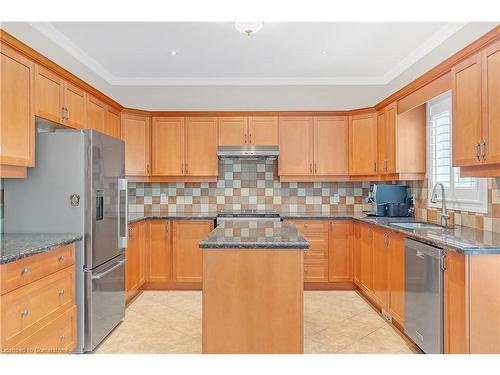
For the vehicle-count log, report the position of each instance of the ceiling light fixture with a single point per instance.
(324, 52)
(248, 28)
(173, 53)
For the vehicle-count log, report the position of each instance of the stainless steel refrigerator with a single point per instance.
(78, 186)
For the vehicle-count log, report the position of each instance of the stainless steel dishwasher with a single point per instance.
(424, 295)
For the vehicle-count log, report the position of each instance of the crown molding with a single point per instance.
(52, 33)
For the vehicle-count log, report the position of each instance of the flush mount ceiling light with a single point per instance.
(173, 53)
(248, 28)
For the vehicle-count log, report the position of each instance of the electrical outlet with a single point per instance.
(336, 198)
(163, 198)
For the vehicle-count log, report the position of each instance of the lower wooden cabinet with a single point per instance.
(159, 263)
(396, 279)
(366, 257)
(136, 257)
(340, 252)
(380, 267)
(187, 257)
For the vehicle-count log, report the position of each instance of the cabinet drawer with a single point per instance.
(316, 272)
(312, 228)
(58, 336)
(315, 254)
(27, 309)
(24, 271)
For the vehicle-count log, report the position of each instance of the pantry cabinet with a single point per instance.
(476, 112)
(187, 257)
(312, 148)
(136, 133)
(159, 260)
(363, 145)
(17, 121)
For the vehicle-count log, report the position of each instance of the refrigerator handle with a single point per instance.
(123, 216)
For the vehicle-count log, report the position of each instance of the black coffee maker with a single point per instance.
(390, 200)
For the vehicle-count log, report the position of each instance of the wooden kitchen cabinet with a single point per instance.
(363, 145)
(113, 123)
(386, 139)
(296, 146)
(357, 253)
(233, 131)
(366, 257)
(331, 140)
(380, 267)
(186, 255)
(396, 279)
(136, 133)
(136, 258)
(160, 251)
(17, 120)
(96, 114)
(340, 251)
(167, 143)
(263, 130)
(75, 103)
(201, 147)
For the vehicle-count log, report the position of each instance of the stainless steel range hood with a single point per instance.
(248, 152)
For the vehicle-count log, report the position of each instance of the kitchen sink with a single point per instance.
(416, 225)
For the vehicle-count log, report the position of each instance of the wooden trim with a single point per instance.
(339, 285)
(424, 94)
(38, 58)
(442, 68)
(172, 179)
(492, 170)
(172, 285)
(253, 113)
(312, 178)
(11, 171)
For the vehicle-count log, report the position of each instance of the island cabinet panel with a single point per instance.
(296, 146)
(136, 259)
(233, 131)
(380, 267)
(263, 130)
(160, 251)
(17, 121)
(168, 143)
(340, 252)
(201, 146)
(186, 255)
(396, 281)
(331, 140)
(135, 131)
(252, 301)
(363, 145)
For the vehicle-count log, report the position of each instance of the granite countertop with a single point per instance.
(255, 234)
(138, 216)
(18, 246)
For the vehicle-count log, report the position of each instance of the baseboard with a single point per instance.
(172, 285)
(343, 285)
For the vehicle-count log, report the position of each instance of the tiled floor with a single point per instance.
(334, 322)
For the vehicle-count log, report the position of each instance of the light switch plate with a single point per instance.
(336, 198)
(163, 198)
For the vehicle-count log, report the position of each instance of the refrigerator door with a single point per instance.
(104, 212)
(104, 300)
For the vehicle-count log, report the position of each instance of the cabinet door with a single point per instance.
(75, 101)
(17, 120)
(331, 140)
(390, 136)
(363, 145)
(466, 110)
(296, 146)
(366, 252)
(160, 251)
(233, 131)
(456, 335)
(48, 94)
(167, 146)
(141, 253)
(340, 251)
(263, 130)
(112, 126)
(201, 146)
(357, 253)
(136, 135)
(96, 114)
(381, 142)
(396, 303)
(491, 102)
(132, 265)
(186, 254)
(380, 267)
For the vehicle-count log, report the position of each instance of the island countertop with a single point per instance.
(255, 234)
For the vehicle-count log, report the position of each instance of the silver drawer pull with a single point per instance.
(25, 312)
(62, 338)
(61, 258)
(25, 270)
(61, 292)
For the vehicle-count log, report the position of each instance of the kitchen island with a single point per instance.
(253, 288)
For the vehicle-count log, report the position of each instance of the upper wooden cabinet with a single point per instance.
(476, 112)
(386, 136)
(17, 121)
(363, 145)
(201, 146)
(96, 114)
(167, 142)
(312, 147)
(136, 133)
(113, 123)
(254, 130)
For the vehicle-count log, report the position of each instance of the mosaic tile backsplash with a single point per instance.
(249, 185)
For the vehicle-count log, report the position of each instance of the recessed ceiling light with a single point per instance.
(248, 28)
(324, 52)
(173, 53)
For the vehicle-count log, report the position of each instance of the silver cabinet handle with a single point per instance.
(123, 230)
(250, 138)
(61, 258)
(443, 263)
(478, 151)
(147, 168)
(25, 270)
(310, 168)
(375, 166)
(25, 312)
(62, 338)
(483, 150)
(245, 138)
(61, 293)
(315, 168)
(63, 113)
(67, 113)
(109, 270)
(186, 168)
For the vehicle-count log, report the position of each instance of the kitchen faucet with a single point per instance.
(444, 213)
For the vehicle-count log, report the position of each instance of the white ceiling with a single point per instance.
(215, 53)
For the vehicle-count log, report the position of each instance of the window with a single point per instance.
(465, 194)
